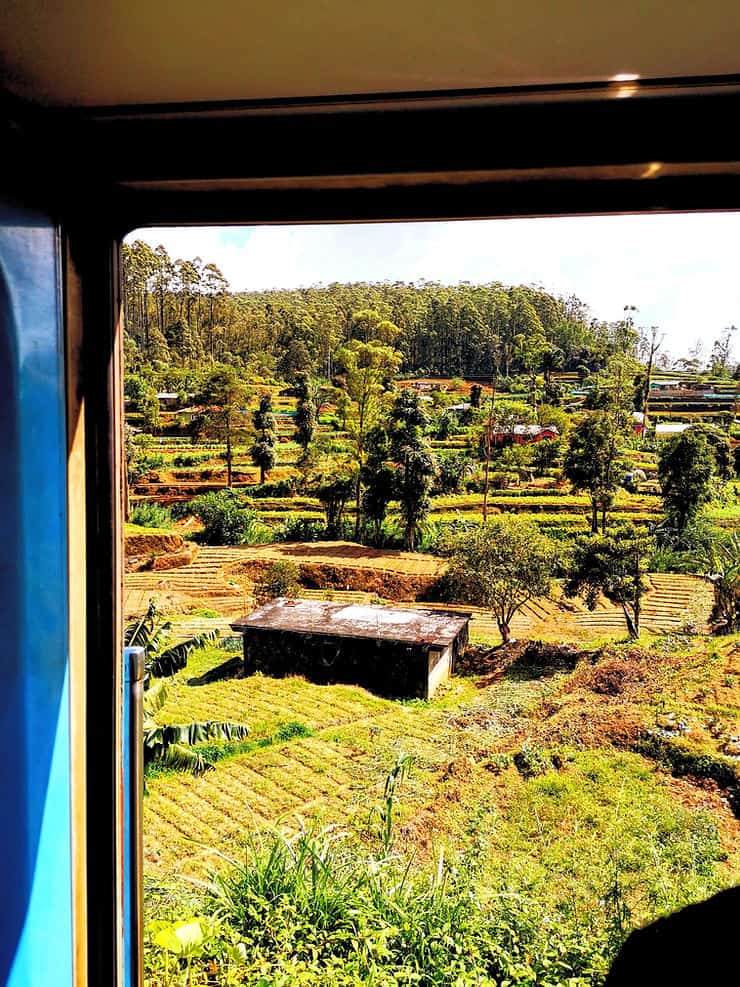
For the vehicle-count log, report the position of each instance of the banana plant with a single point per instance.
(721, 563)
(171, 745)
(162, 661)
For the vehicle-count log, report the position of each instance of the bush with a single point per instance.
(306, 530)
(227, 522)
(312, 910)
(279, 579)
(149, 514)
(276, 488)
(181, 509)
(189, 459)
(141, 465)
(301, 529)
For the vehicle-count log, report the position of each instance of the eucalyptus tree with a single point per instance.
(367, 373)
(650, 343)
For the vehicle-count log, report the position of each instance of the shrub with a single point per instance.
(181, 509)
(149, 514)
(300, 529)
(227, 522)
(142, 465)
(189, 459)
(276, 488)
(279, 579)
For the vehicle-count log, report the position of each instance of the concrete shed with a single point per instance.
(392, 651)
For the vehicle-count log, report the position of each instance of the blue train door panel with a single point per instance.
(36, 947)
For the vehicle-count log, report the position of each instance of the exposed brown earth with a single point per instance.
(222, 579)
(158, 551)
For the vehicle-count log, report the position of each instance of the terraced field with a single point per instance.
(335, 774)
(216, 581)
(335, 771)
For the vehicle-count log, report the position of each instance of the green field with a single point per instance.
(532, 769)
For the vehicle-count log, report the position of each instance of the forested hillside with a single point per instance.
(182, 312)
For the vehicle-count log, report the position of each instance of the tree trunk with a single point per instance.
(228, 457)
(594, 516)
(504, 631)
(358, 502)
(631, 627)
(489, 443)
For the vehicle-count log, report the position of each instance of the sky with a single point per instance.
(681, 271)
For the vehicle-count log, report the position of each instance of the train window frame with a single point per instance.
(636, 161)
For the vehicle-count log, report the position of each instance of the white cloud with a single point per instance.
(681, 271)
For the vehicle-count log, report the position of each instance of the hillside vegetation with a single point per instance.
(428, 445)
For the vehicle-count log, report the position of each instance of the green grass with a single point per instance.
(138, 529)
(535, 858)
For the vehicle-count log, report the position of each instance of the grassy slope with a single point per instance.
(599, 813)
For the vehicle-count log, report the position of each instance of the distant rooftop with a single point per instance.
(671, 428)
(437, 628)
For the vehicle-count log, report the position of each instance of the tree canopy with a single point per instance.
(686, 466)
(501, 565)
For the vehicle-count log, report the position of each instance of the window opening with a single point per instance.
(431, 545)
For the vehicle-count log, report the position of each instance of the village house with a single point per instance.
(392, 651)
(639, 423)
(667, 385)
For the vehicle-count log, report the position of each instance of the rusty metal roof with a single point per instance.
(436, 628)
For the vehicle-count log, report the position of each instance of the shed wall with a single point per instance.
(388, 668)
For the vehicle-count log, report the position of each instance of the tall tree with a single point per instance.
(367, 370)
(224, 396)
(263, 449)
(494, 348)
(721, 357)
(593, 462)
(306, 410)
(686, 466)
(379, 480)
(415, 463)
(370, 327)
(215, 287)
(650, 342)
(531, 349)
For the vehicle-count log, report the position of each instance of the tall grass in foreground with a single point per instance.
(313, 909)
